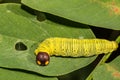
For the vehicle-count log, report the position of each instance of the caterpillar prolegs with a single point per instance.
(73, 47)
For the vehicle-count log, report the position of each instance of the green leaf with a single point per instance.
(100, 13)
(118, 39)
(108, 71)
(16, 25)
(9, 74)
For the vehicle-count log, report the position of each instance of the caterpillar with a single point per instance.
(72, 47)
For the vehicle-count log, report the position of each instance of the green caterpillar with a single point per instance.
(75, 47)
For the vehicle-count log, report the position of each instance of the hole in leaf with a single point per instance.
(20, 46)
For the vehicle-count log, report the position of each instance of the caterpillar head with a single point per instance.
(42, 58)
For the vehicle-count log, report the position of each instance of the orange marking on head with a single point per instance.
(38, 62)
(47, 62)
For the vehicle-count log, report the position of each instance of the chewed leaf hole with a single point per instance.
(20, 46)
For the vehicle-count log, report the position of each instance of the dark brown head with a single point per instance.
(42, 58)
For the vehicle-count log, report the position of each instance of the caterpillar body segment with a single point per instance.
(76, 47)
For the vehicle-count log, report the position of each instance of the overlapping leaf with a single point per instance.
(111, 71)
(16, 25)
(100, 13)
